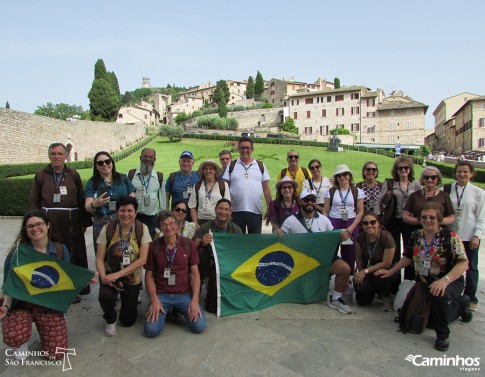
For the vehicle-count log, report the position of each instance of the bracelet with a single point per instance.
(447, 278)
(93, 207)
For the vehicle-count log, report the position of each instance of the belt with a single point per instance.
(59, 209)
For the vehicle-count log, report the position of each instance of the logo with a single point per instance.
(465, 364)
(20, 357)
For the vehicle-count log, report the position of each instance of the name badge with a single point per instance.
(206, 203)
(344, 213)
(246, 176)
(146, 201)
(189, 190)
(458, 213)
(63, 190)
(56, 198)
(185, 195)
(126, 259)
(171, 279)
(112, 205)
(427, 264)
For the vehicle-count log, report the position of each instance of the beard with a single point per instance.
(146, 169)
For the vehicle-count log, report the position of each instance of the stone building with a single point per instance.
(141, 112)
(278, 89)
(470, 127)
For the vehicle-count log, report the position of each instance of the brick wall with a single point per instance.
(25, 137)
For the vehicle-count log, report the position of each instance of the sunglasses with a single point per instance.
(104, 162)
(293, 157)
(287, 187)
(432, 177)
(178, 209)
(371, 169)
(427, 217)
(315, 167)
(402, 168)
(370, 222)
(312, 200)
(341, 175)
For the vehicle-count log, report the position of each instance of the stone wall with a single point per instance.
(25, 137)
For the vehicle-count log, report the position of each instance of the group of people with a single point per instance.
(140, 220)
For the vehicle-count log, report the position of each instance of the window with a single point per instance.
(329, 98)
(321, 99)
(292, 102)
(308, 114)
(120, 116)
(391, 139)
(324, 113)
(308, 101)
(372, 140)
(392, 125)
(272, 92)
(409, 112)
(295, 115)
(338, 98)
(340, 111)
(355, 127)
(323, 130)
(481, 142)
(146, 116)
(392, 113)
(355, 110)
(409, 124)
(371, 102)
(481, 123)
(409, 139)
(354, 96)
(308, 131)
(284, 103)
(371, 129)
(297, 102)
(371, 114)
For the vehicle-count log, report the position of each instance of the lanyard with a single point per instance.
(146, 183)
(319, 187)
(186, 182)
(58, 180)
(207, 192)
(125, 243)
(458, 199)
(246, 168)
(214, 229)
(372, 248)
(344, 200)
(171, 258)
(427, 247)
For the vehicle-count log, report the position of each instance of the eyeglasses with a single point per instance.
(432, 177)
(40, 224)
(427, 217)
(315, 167)
(402, 168)
(341, 175)
(370, 222)
(164, 225)
(178, 209)
(287, 188)
(104, 162)
(293, 157)
(244, 147)
(312, 200)
(371, 170)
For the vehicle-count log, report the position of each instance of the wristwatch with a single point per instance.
(366, 271)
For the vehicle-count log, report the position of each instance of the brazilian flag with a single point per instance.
(255, 271)
(44, 280)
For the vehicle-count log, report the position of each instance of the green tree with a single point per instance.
(221, 84)
(289, 126)
(104, 102)
(221, 105)
(180, 118)
(258, 86)
(336, 82)
(250, 88)
(100, 70)
(127, 98)
(114, 82)
(424, 150)
(340, 131)
(171, 132)
(7, 105)
(60, 111)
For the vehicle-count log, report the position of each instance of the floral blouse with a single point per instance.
(444, 252)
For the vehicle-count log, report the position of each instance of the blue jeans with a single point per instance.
(181, 303)
(472, 274)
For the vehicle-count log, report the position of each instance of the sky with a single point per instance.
(429, 49)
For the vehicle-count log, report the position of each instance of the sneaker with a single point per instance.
(387, 306)
(467, 315)
(339, 305)
(473, 306)
(442, 344)
(21, 352)
(110, 329)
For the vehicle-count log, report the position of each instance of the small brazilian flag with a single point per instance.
(255, 271)
(44, 280)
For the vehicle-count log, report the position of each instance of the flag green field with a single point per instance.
(255, 271)
(44, 280)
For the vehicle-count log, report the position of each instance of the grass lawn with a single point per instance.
(273, 155)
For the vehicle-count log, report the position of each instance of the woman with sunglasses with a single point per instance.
(439, 260)
(102, 191)
(17, 316)
(344, 206)
(286, 203)
(370, 185)
(401, 185)
(469, 203)
(317, 183)
(184, 228)
(374, 250)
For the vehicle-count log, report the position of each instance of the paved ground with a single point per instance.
(285, 340)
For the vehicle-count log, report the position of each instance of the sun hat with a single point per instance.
(341, 169)
(286, 179)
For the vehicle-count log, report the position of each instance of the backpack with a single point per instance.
(233, 164)
(285, 170)
(414, 313)
(59, 250)
(354, 194)
(447, 188)
(388, 204)
(110, 231)
(171, 178)
(222, 189)
(155, 248)
(132, 172)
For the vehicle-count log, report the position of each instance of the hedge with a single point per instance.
(447, 170)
